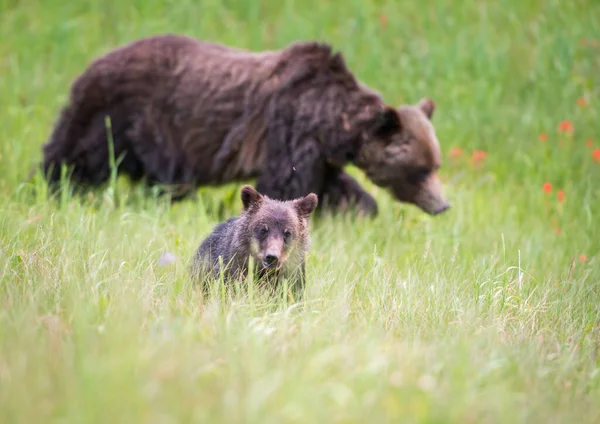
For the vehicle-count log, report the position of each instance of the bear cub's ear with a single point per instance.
(387, 122)
(250, 197)
(306, 205)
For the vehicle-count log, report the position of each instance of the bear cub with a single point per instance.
(273, 233)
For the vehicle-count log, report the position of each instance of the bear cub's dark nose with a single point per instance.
(271, 260)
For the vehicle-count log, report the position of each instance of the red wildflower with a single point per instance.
(581, 101)
(543, 137)
(478, 157)
(383, 20)
(547, 187)
(558, 231)
(596, 155)
(582, 258)
(561, 196)
(566, 126)
(589, 142)
(455, 152)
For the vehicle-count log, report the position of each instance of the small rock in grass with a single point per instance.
(166, 259)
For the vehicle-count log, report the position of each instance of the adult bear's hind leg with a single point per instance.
(86, 150)
(165, 165)
(341, 192)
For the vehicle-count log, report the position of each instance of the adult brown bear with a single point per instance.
(187, 113)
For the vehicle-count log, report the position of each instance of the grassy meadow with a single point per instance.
(486, 314)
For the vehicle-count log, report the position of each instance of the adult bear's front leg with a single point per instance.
(342, 192)
(292, 170)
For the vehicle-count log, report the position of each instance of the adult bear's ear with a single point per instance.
(427, 106)
(387, 122)
(250, 197)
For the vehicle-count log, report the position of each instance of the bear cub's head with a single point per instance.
(277, 230)
(402, 154)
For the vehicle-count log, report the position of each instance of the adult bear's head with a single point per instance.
(400, 152)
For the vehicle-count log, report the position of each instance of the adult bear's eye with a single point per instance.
(420, 175)
(264, 231)
(287, 234)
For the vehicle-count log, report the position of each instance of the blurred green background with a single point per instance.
(488, 313)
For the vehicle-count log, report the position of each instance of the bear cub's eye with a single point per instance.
(264, 231)
(287, 234)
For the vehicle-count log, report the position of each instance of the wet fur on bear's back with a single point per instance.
(167, 114)
(187, 111)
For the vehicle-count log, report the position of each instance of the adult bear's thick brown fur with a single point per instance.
(187, 113)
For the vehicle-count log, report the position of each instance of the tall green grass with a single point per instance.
(489, 313)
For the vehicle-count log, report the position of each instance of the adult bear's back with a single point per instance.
(157, 92)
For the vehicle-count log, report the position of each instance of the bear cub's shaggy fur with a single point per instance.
(273, 232)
